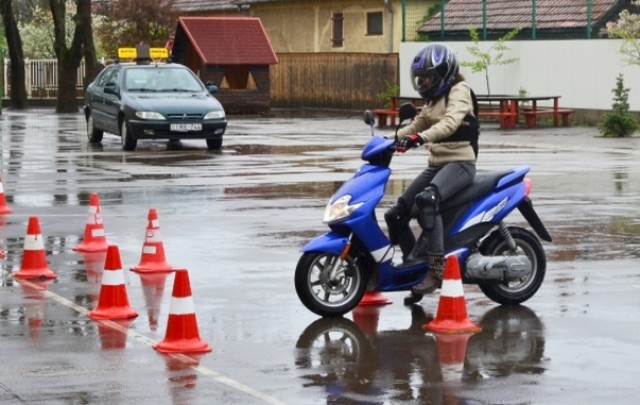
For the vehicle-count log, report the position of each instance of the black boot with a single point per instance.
(400, 233)
(430, 283)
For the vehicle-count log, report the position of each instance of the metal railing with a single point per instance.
(41, 78)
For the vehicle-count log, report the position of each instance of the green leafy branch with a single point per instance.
(495, 55)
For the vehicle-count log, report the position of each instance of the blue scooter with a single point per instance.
(508, 263)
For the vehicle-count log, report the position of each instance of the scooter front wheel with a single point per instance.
(329, 286)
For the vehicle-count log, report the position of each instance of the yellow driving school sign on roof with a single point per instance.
(133, 53)
(127, 53)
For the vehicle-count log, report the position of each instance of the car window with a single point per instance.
(161, 80)
(110, 75)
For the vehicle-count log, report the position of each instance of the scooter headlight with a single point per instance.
(339, 209)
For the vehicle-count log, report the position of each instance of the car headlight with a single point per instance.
(149, 115)
(339, 209)
(213, 115)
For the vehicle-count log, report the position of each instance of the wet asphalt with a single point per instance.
(236, 219)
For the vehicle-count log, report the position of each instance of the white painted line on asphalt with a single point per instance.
(221, 378)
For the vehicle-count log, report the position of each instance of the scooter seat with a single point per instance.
(482, 184)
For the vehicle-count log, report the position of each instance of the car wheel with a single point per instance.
(94, 135)
(214, 144)
(129, 142)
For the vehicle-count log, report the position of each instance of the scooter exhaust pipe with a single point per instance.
(504, 268)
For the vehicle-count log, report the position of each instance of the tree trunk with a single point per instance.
(14, 42)
(69, 57)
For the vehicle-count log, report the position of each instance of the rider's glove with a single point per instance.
(407, 142)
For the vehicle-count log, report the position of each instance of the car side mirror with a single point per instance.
(212, 88)
(110, 88)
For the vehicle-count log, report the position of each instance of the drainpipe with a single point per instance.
(387, 5)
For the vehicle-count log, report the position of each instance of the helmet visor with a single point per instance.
(425, 80)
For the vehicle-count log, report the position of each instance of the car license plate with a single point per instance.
(186, 127)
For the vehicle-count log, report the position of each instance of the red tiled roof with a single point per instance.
(229, 40)
(460, 15)
(190, 6)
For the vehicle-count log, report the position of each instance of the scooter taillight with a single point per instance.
(527, 186)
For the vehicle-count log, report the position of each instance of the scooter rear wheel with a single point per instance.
(517, 291)
(324, 295)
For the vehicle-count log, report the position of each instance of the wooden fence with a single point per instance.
(331, 80)
(300, 80)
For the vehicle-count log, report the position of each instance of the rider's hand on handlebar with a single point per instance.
(407, 142)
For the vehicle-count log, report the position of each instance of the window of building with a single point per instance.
(338, 30)
(374, 23)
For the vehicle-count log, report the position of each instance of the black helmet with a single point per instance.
(433, 71)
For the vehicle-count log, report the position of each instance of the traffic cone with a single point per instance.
(452, 351)
(34, 260)
(94, 237)
(4, 208)
(182, 334)
(152, 258)
(113, 302)
(374, 298)
(451, 316)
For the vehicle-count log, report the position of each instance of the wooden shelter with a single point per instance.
(234, 53)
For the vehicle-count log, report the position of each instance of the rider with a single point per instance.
(448, 126)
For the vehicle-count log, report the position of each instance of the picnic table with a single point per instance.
(508, 109)
(505, 107)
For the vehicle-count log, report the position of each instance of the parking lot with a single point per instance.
(236, 219)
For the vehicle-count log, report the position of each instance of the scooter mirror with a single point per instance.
(368, 117)
(407, 111)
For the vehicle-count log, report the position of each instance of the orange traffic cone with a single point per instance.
(34, 260)
(4, 209)
(452, 307)
(152, 258)
(452, 351)
(94, 237)
(374, 298)
(113, 302)
(182, 334)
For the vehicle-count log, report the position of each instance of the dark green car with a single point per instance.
(153, 101)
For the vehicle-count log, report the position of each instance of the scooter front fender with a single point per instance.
(330, 242)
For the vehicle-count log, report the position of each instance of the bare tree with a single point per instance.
(14, 43)
(69, 57)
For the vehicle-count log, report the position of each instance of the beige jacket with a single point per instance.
(438, 120)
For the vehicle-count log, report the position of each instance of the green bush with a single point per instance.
(618, 123)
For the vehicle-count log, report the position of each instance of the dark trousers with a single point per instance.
(449, 179)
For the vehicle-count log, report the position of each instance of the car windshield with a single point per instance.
(160, 80)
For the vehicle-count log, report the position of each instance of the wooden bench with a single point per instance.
(531, 115)
(391, 113)
(507, 119)
(383, 113)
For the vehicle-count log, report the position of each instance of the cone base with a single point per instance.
(5, 210)
(374, 298)
(452, 327)
(91, 247)
(35, 273)
(183, 346)
(112, 313)
(161, 268)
